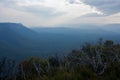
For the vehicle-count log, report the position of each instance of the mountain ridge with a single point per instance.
(17, 39)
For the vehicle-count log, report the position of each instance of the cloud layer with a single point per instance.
(56, 12)
(107, 6)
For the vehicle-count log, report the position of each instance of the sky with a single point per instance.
(46, 13)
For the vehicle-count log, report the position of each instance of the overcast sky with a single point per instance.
(59, 12)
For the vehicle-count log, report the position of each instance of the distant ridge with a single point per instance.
(15, 38)
(19, 40)
(17, 27)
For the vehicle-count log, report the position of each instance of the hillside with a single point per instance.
(15, 39)
(18, 40)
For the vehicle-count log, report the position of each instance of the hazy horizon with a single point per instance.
(45, 27)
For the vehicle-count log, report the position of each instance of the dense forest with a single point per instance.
(100, 61)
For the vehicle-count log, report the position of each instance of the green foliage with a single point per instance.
(100, 61)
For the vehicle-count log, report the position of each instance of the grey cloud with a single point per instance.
(92, 15)
(107, 6)
(37, 10)
(8, 2)
(71, 1)
(44, 11)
